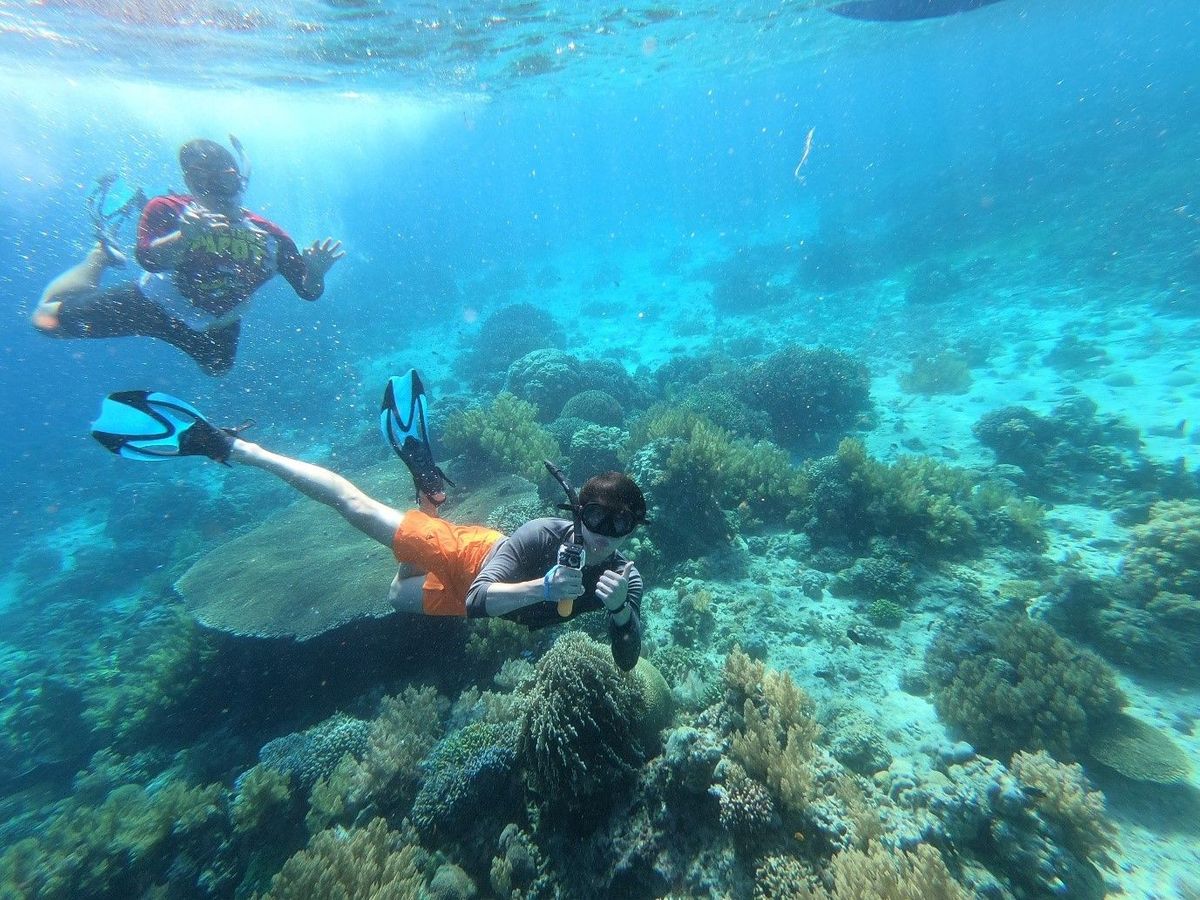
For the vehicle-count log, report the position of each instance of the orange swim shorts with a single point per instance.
(452, 555)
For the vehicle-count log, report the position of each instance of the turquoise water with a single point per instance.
(984, 211)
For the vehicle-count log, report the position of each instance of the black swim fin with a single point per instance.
(904, 10)
(151, 425)
(403, 421)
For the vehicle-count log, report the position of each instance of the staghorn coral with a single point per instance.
(1017, 685)
(578, 729)
(370, 863)
(503, 439)
(1063, 797)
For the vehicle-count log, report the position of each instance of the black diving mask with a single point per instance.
(608, 522)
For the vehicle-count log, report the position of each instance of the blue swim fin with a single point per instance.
(110, 203)
(151, 425)
(404, 422)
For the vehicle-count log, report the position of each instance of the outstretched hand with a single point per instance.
(320, 257)
(613, 587)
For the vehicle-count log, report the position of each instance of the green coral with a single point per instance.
(945, 373)
(118, 848)
(578, 729)
(148, 676)
(340, 864)
(1138, 751)
(502, 439)
(1019, 686)
(885, 614)
(916, 501)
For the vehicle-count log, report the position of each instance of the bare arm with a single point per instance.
(374, 519)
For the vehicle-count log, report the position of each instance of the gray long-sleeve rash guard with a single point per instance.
(530, 552)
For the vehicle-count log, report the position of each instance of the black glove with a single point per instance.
(626, 641)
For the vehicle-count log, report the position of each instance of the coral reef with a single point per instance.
(813, 396)
(406, 728)
(343, 577)
(369, 862)
(596, 407)
(1071, 455)
(1017, 685)
(469, 777)
(502, 439)
(1138, 751)
(578, 730)
(1148, 616)
(917, 503)
(945, 373)
(549, 378)
(310, 755)
(1062, 796)
(153, 672)
(506, 335)
(119, 848)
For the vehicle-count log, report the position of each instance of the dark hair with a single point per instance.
(206, 155)
(615, 490)
(203, 162)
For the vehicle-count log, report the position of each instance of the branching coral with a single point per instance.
(1019, 686)
(469, 776)
(406, 728)
(776, 740)
(578, 730)
(115, 849)
(504, 439)
(1063, 797)
(370, 863)
(149, 675)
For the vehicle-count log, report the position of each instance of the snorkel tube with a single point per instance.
(571, 555)
(243, 159)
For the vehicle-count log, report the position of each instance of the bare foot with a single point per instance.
(45, 317)
(112, 254)
(430, 503)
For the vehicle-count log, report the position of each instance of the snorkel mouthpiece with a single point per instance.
(572, 555)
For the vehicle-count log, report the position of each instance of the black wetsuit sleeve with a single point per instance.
(290, 262)
(527, 553)
(626, 640)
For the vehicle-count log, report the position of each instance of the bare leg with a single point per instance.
(374, 519)
(80, 278)
(407, 594)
